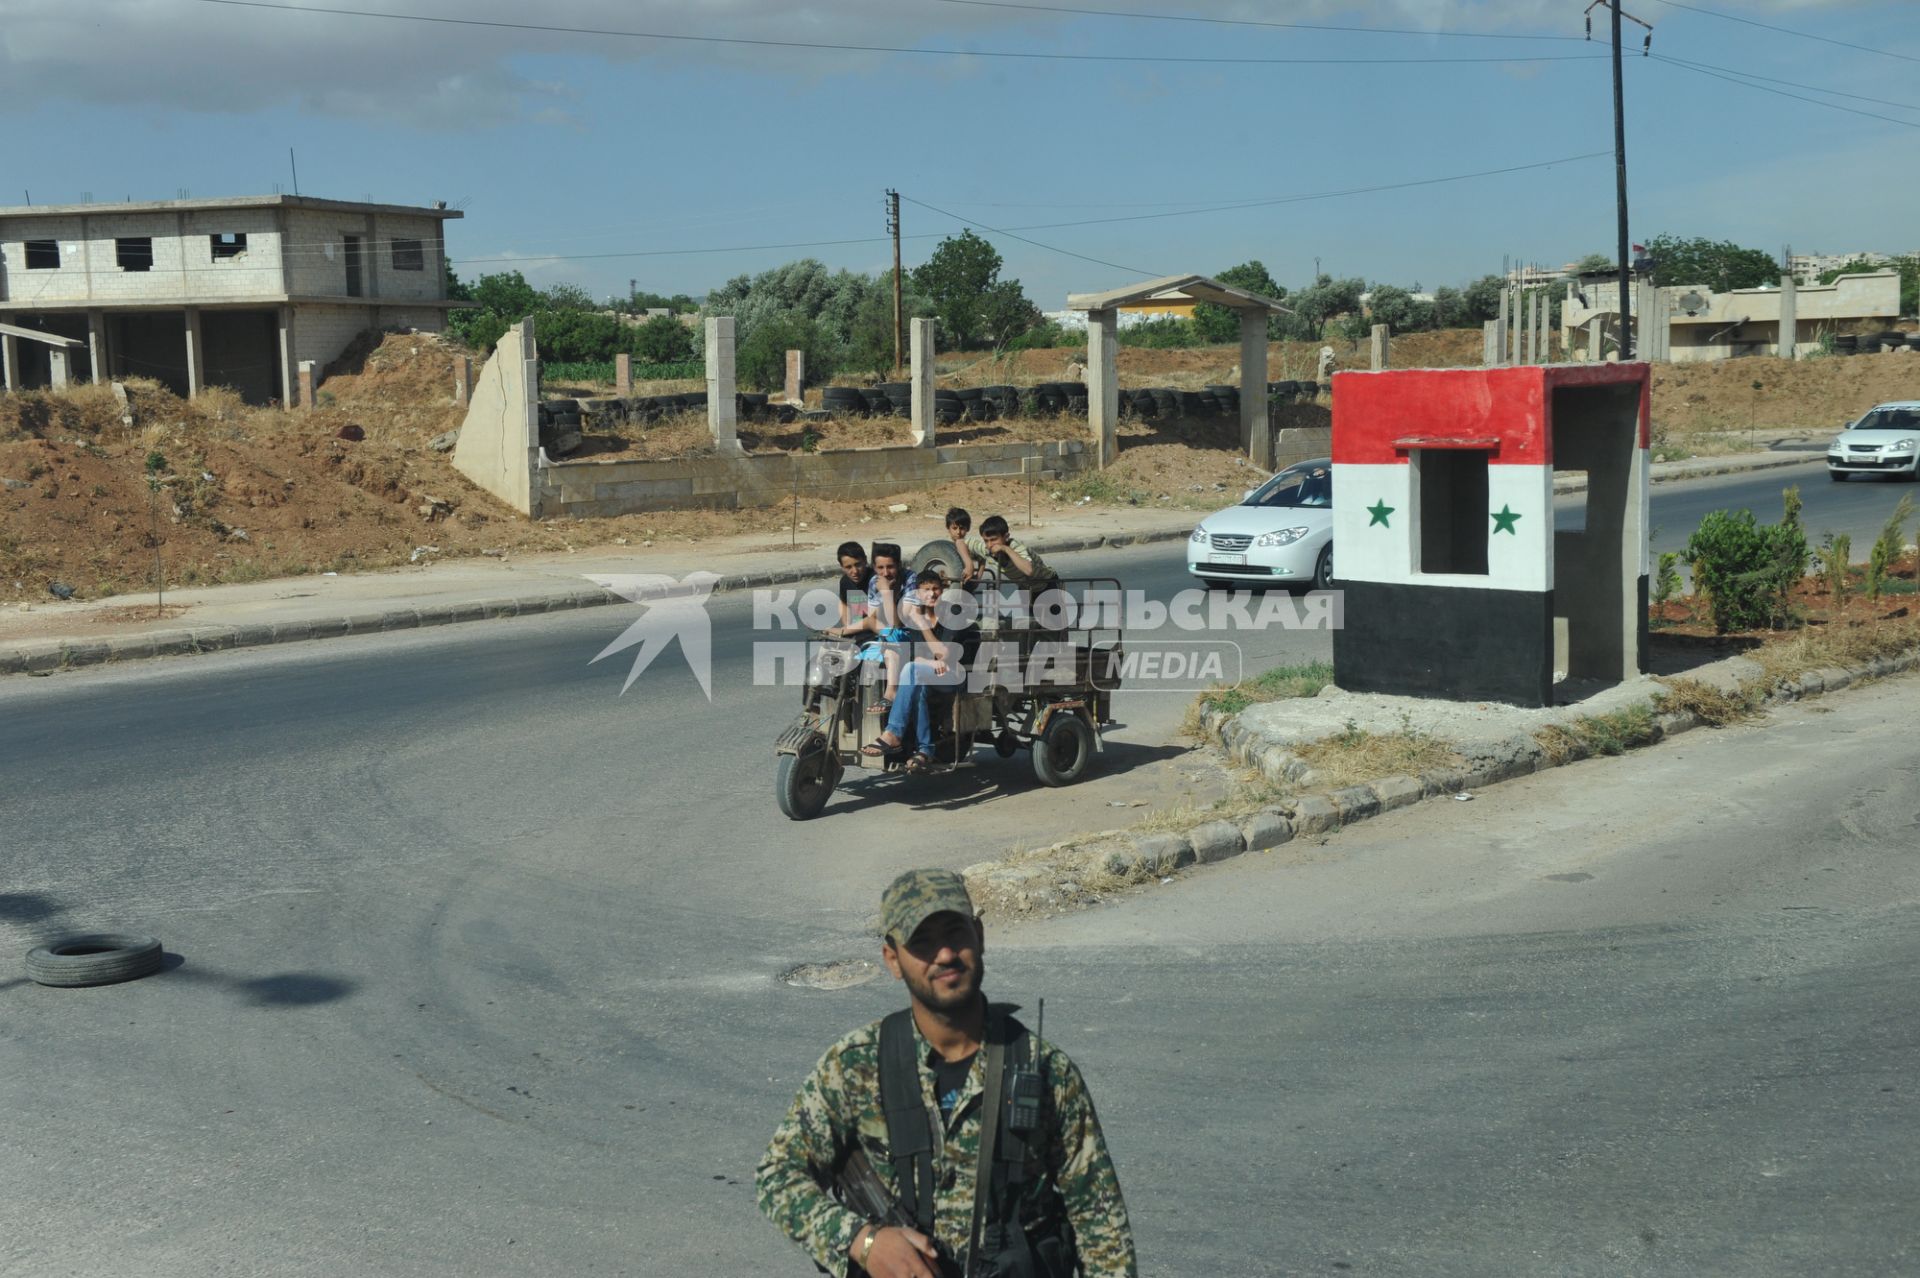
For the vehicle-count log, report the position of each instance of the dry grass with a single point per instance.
(1613, 733)
(1277, 684)
(1355, 757)
(1818, 647)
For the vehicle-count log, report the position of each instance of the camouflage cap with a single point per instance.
(917, 896)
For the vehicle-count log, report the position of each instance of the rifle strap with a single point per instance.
(992, 1103)
(910, 1132)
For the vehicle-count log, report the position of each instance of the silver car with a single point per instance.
(1281, 532)
(1884, 442)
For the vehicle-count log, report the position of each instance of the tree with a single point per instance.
(1720, 265)
(1594, 263)
(761, 359)
(1449, 308)
(1219, 324)
(960, 279)
(567, 297)
(507, 295)
(1400, 310)
(663, 340)
(1483, 298)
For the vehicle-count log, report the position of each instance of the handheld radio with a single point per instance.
(1025, 1086)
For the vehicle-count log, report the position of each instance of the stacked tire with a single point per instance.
(844, 401)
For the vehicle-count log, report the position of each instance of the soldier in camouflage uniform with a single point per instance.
(933, 942)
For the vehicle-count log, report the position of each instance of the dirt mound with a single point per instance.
(226, 492)
(1814, 395)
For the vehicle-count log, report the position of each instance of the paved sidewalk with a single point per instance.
(44, 637)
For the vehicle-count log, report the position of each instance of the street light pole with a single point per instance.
(1620, 183)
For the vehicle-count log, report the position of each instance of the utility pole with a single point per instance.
(893, 229)
(1620, 164)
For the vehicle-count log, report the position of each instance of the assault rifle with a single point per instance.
(858, 1188)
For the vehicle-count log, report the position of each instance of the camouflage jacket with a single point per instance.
(839, 1105)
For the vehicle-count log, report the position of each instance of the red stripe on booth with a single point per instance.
(1376, 414)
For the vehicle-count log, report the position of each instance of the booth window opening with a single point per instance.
(1452, 487)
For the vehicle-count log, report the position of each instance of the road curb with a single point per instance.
(1656, 476)
(43, 657)
(1136, 856)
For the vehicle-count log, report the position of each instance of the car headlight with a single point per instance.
(1280, 537)
(1900, 445)
(1839, 442)
(1199, 534)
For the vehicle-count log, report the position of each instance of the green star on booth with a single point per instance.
(1379, 510)
(1503, 520)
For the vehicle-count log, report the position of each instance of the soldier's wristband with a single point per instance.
(866, 1248)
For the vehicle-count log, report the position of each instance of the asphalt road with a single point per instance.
(476, 969)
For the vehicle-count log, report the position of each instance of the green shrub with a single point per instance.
(1666, 580)
(1163, 334)
(1836, 550)
(1745, 569)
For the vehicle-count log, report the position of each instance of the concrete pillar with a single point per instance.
(289, 377)
(1523, 316)
(1381, 347)
(307, 379)
(196, 354)
(921, 350)
(1490, 343)
(1256, 418)
(1789, 340)
(723, 409)
(57, 365)
(9, 362)
(796, 377)
(1500, 326)
(622, 376)
(1103, 385)
(1596, 338)
(97, 347)
(463, 377)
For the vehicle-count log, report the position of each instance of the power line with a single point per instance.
(1750, 75)
(1251, 22)
(1318, 195)
(1021, 55)
(1804, 35)
(1798, 97)
(991, 230)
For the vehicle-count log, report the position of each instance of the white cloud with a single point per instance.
(196, 56)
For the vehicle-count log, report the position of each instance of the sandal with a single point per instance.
(918, 762)
(879, 749)
(882, 706)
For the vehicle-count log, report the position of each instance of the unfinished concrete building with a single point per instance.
(197, 293)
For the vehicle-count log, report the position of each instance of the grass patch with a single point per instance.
(1276, 684)
(1613, 733)
(1713, 706)
(1356, 756)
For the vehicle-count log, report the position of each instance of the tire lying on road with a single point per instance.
(93, 958)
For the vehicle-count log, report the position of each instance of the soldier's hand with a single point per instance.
(902, 1253)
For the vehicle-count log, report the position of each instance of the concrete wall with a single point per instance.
(1849, 303)
(591, 488)
(499, 446)
(317, 264)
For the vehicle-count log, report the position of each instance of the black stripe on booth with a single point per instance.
(1451, 642)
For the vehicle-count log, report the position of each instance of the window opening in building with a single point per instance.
(43, 255)
(228, 246)
(352, 255)
(408, 256)
(134, 253)
(1453, 510)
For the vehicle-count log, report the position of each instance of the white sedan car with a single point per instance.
(1281, 532)
(1884, 442)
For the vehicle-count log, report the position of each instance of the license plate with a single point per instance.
(1230, 559)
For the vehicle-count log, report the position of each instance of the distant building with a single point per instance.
(1809, 267)
(1696, 323)
(234, 292)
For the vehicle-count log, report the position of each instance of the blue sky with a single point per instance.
(562, 147)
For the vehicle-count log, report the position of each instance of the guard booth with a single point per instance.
(1458, 585)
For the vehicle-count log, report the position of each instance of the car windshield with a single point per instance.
(1310, 486)
(1890, 419)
